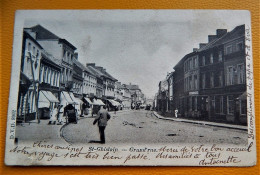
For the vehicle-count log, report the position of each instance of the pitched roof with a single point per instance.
(236, 32)
(51, 58)
(43, 33)
(81, 66)
(133, 87)
(100, 71)
(27, 35)
(95, 71)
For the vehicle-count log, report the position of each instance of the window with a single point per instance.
(220, 79)
(241, 73)
(37, 53)
(203, 81)
(190, 83)
(64, 54)
(203, 61)
(195, 103)
(34, 50)
(211, 58)
(190, 103)
(221, 103)
(240, 46)
(195, 82)
(29, 46)
(243, 107)
(229, 49)
(220, 56)
(230, 75)
(230, 104)
(212, 79)
(213, 103)
(191, 66)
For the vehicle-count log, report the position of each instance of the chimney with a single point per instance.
(221, 32)
(91, 64)
(76, 55)
(202, 45)
(211, 37)
(195, 49)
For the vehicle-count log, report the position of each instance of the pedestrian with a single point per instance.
(53, 115)
(102, 117)
(176, 112)
(59, 115)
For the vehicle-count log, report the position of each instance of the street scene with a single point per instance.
(132, 126)
(105, 82)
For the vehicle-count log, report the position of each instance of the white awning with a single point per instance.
(88, 100)
(45, 98)
(50, 96)
(114, 103)
(78, 100)
(98, 102)
(65, 98)
(75, 101)
(43, 102)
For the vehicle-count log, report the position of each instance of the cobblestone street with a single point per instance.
(142, 127)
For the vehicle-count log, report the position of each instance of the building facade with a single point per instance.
(29, 77)
(209, 83)
(58, 47)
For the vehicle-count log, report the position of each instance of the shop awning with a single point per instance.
(78, 100)
(75, 101)
(45, 98)
(43, 102)
(98, 102)
(88, 100)
(65, 98)
(243, 96)
(114, 103)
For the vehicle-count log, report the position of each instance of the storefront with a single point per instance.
(46, 103)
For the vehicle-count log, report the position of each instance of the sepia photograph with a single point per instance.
(131, 87)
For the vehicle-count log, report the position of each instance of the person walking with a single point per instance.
(102, 117)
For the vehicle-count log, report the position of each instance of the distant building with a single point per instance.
(210, 82)
(77, 78)
(126, 101)
(108, 82)
(136, 93)
(90, 83)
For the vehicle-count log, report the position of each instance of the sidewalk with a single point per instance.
(230, 126)
(33, 131)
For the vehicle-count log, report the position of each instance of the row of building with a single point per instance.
(210, 82)
(51, 74)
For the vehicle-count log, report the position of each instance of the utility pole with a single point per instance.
(35, 87)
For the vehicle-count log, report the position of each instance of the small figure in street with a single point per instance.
(102, 117)
(176, 113)
(59, 115)
(53, 115)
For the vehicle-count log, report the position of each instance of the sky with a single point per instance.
(135, 46)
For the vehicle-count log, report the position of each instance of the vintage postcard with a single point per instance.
(131, 88)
